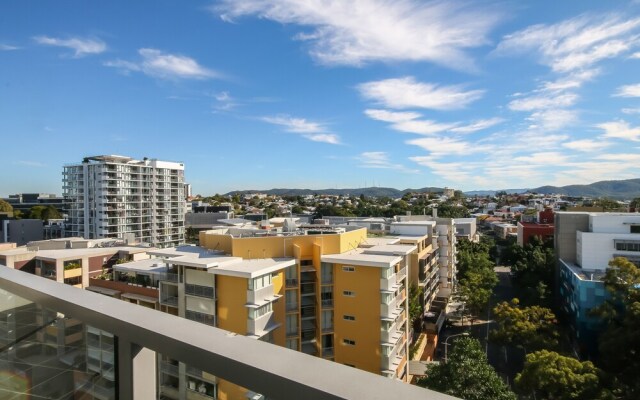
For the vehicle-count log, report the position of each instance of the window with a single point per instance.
(349, 342)
(259, 282)
(385, 273)
(327, 320)
(349, 317)
(255, 313)
(292, 344)
(292, 325)
(635, 229)
(349, 293)
(327, 272)
(386, 297)
(348, 268)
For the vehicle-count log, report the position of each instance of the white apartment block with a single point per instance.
(610, 235)
(119, 197)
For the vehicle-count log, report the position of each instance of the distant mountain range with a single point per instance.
(622, 189)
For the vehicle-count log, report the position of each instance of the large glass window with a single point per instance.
(255, 313)
(259, 282)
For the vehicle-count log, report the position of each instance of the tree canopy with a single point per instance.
(476, 275)
(533, 267)
(619, 343)
(549, 375)
(5, 207)
(466, 374)
(44, 213)
(532, 328)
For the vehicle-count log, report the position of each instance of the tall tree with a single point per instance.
(619, 344)
(466, 374)
(532, 328)
(5, 207)
(549, 375)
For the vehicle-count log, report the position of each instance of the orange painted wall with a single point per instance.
(232, 296)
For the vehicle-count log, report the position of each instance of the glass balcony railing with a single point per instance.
(136, 337)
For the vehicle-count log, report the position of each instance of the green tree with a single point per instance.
(607, 204)
(50, 212)
(466, 374)
(5, 207)
(476, 288)
(549, 375)
(533, 267)
(619, 343)
(635, 203)
(44, 213)
(531, 328)
(415, 303)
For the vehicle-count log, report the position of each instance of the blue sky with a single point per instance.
(256, 94)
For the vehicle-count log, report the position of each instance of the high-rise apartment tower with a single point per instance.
(119, 197)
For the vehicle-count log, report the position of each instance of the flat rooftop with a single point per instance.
(390, 249)
(359, 258)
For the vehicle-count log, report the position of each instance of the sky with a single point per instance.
(257, 94)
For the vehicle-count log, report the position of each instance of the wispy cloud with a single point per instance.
(357, 32)
(33, 164)
(314, 131)
(391, 116)
(586, 145)
(6, 47)
(576, 43)
(80, 46)
(635, 55)
(162, 65)
(543, 101)
(620, 130)
(631, 110)
(406, 92)
(380, 160)
(478, 125)
(628, 91)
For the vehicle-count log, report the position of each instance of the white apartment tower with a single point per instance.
(119, 197)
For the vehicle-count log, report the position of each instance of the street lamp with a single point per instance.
(447, 339)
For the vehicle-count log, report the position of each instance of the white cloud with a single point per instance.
(586, 145)
(620, 130)
(631, 110)
(443, 146)
(478, 125)
(552, 119)
(422, 127)
(571, 81)
(34, 164)
(543, 101)
(391, 116)
(628, 91)
(314, 131)
(80, 46)
(401, 93)
(626, 157)
(6, 47)
(357, 32)
(576, 43)
(380, 160)
(635, 55)
(542, 158)
(164, 65)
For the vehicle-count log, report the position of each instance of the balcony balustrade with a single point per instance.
(141, 332)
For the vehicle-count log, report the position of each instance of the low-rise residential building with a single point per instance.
(72, 261)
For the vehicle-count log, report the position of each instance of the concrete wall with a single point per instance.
(22, 231)
(612, 223)
(595, 250)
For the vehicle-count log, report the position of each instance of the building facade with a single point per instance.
(585, 243)
(119, 197)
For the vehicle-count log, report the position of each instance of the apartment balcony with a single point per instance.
(141, 332)
(389, 284)
(401, 274)
(389, 310)
(260, 296)
(291, 283)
